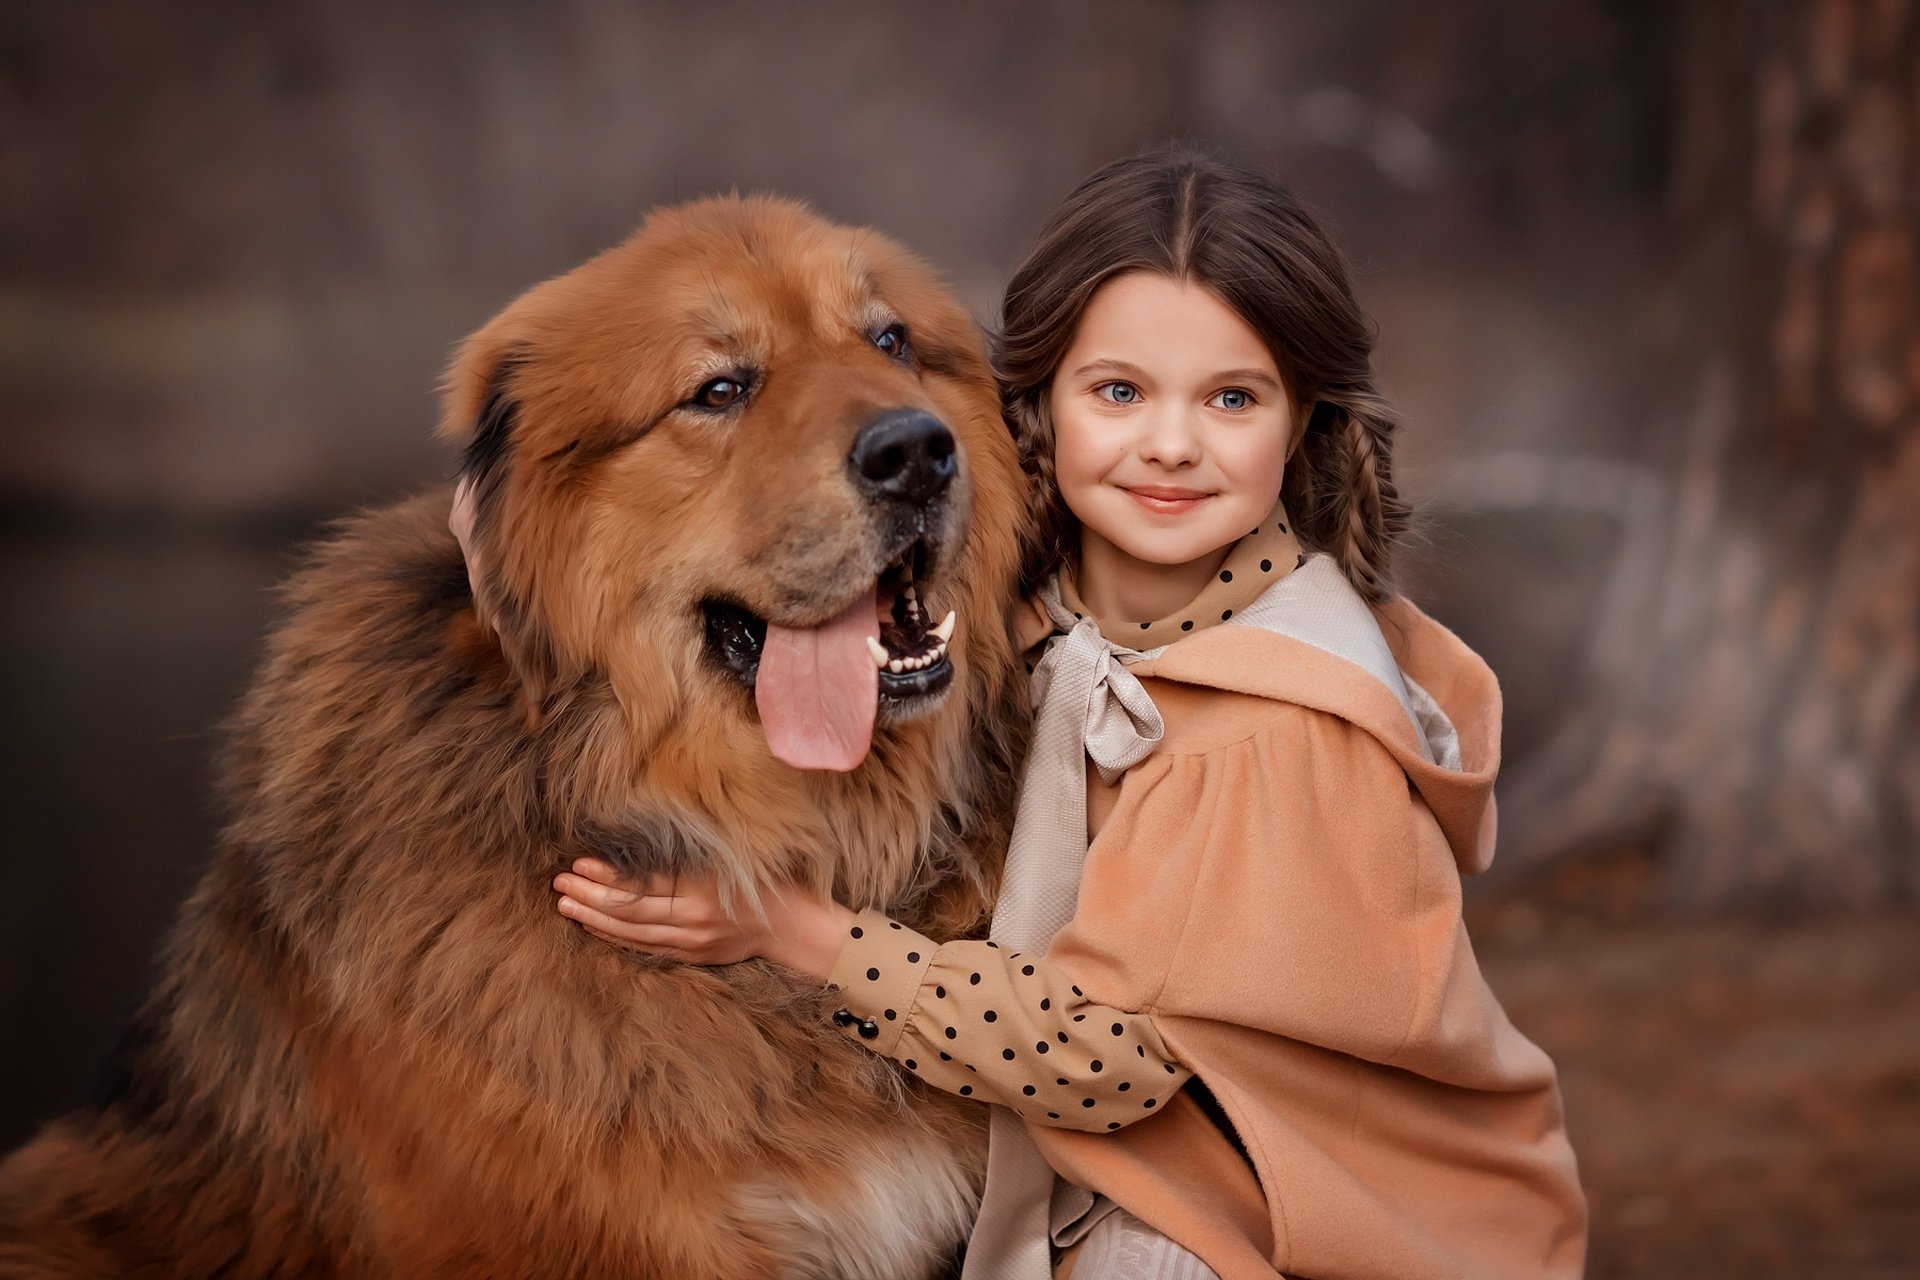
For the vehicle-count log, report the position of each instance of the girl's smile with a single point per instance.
(1163, 499)
(1171, 429)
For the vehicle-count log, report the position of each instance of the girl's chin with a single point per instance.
(1169, 542)
(1162, 558)
(1168, 553)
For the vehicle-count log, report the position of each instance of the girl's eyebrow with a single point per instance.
(1109, 366)
(1258, 377)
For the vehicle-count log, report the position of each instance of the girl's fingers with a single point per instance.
(656, 884)
(652, 883)
(598, 893)
(657, 898)
(667, 884)
(616, 902)
(660, 939)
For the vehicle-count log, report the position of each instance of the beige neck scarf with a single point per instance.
(1087, 705)
(1254, 563)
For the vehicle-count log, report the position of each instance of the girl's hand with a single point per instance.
(680, 917)
(683, 918)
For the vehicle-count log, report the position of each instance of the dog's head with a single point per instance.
(749, 467)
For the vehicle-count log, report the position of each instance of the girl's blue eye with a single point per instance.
(1117, 392)
(1233, 399)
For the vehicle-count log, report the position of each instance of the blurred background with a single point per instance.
(1647, 278)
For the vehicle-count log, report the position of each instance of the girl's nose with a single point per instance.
(1171, 439)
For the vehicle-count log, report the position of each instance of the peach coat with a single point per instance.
(1278, 887)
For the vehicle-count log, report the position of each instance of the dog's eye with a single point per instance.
(720, 393)
(892, 340)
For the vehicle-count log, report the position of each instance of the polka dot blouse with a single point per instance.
(978, 1020)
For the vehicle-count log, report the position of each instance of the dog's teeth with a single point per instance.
(939, 652)
(896, 666)
(945, 629)
(878, 650)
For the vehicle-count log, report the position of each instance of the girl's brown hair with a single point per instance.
(1180, 213)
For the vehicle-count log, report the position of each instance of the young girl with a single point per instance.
(1230, 1020)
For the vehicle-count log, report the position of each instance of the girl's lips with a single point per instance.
(1162, 500)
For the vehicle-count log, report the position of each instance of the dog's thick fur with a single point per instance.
(375, 1048)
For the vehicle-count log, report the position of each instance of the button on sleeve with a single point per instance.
(879, 975)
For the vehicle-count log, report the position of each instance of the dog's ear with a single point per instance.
(481, 514)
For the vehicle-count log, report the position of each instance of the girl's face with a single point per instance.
(1171, 424)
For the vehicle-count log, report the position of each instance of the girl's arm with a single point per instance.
(971, 1018)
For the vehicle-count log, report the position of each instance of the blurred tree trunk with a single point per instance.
(1765, 731)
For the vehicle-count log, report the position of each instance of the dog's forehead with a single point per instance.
(765, 298)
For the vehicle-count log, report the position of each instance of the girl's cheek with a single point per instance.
(1258, 454)
(1071, 452)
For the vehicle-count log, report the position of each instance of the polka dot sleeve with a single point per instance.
(977, 1020)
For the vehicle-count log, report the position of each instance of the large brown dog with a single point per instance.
(706, 470)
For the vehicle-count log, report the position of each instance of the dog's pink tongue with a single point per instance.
(818, 689)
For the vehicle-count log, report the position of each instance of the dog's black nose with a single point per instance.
(905, 454)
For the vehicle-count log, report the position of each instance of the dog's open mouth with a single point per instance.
(820, 689)
(910, 651)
